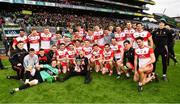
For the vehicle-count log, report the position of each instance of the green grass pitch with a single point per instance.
(102, 89)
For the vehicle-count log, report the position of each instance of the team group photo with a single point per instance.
(96, 51)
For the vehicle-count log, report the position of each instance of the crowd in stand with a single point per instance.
(61, 20)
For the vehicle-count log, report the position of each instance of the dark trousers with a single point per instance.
(171, 54)
(85, 73)
(27, 75)
(1, 65)
(6, 46)
(164, 54)
(20, 72)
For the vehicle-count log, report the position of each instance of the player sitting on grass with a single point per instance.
(50, 74)
(80, 68)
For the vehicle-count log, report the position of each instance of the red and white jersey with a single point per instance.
(129, 34)
(24, 39)
(78, 49)
(87, 51)
(107, 55)
(61, 53)
(71, 53)
(96, 54)
(53, 36)
(34, 42)
(120, 37)
(90, 38)
(45, 40)
(99, 37)
(117, 51)
(79, 37)
(144, 34)
(81, 32)
(143, 55)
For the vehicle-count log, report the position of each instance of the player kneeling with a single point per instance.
(61, 58)
(128, 60)
(71, 55)
(118, 57)
(107, 60)
(95, 60)
(146, 58)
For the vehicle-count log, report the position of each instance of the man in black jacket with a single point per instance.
(43, 58)
(160, 38)
(52, 53)
(80, 68)
(128, 55)
(7, 44)
(16, 60)
(171, 43)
